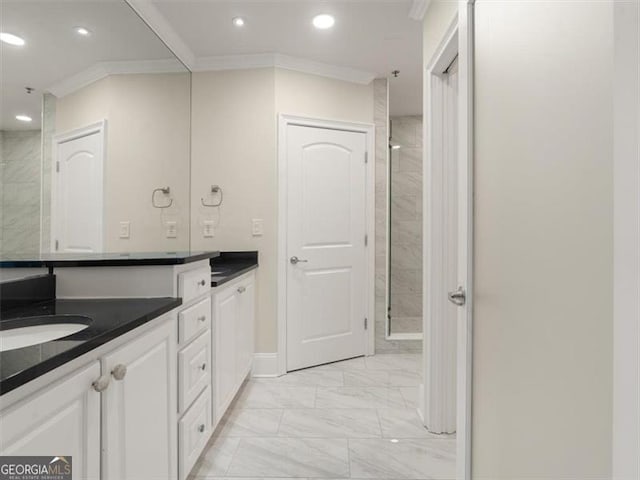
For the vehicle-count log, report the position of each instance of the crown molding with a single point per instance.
(104, 69)
(419, 9)
(277, 60)
(148, 12)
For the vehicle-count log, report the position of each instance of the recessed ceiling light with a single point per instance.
(11, 39)
(323, 21)
(238, 21)
(23, 118)
(82, 31)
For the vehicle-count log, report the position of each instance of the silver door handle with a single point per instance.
(295, 260)
(458, 297)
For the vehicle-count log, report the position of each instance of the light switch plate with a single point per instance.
(208, 230)
(172, 229)
(125, 229)
(257, 227)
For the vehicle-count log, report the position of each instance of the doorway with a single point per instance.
(77, 190)
(326, 286)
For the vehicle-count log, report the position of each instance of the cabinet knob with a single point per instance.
(203, 367)
(241, 289)
(202, 282)
(119, 371)
(201, 428)
(202, 318)
(101, 384)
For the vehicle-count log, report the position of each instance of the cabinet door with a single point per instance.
(61, 421)
(226, 318)
(139, 418)
(245, 328)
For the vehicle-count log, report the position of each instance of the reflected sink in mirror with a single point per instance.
(28, 331)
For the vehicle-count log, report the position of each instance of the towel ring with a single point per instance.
(214, 189)
(166, 191)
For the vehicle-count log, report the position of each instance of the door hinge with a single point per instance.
(366, 323)
(366, 240)
(57, 244)
(366, 157)
(58, 167)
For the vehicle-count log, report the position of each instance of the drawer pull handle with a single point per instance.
(202, 318)
(201, 428)
(203, 367)
(241, 289)
(119, 371)
(202, 282)
(101, 384)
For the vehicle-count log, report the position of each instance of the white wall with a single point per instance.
(234, 131)
(626, 341)
(234, 146)
(543, 317)
(148, 119)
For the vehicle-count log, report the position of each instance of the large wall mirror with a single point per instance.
(94, 132)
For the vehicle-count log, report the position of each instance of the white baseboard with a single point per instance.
(265, 365)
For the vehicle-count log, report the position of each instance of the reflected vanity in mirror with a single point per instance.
(94, 132)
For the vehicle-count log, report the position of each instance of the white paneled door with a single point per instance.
(77, 191)
(326, 253)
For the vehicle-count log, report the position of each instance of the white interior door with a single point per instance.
(77, 203)
(326, 254)
(445, 295)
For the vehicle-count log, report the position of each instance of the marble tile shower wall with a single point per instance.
(381, 116)
(406, 225)
(20, 191)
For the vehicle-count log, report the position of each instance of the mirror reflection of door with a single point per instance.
(77, 191)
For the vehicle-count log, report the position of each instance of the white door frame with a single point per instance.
(458, 38)
(626, 238)
(98, 127)
(284, 120)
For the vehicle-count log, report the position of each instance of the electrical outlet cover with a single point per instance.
(172, 229)
(257, 227)
(125, 229)
(208, 230)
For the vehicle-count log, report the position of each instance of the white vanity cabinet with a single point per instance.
(195, 424)
(62, 419)
(124, 398)
(139, 407)
(233, 320)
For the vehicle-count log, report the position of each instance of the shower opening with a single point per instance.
(404, 285)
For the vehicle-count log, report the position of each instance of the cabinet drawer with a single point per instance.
(194, 430)
(194, 369)
(193, 320)
(194, 283)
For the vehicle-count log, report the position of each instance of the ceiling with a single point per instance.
(54, 51)
(375, 36)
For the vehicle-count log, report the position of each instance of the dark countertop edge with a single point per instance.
(25, 376)
(222, 279)
(108, 262)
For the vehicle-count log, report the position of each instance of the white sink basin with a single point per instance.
(26, 336)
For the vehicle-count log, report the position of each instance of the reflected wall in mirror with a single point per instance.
(95, 117)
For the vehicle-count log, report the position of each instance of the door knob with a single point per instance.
(119, 371)
(295, 260)
(458, 297)
(101, 384)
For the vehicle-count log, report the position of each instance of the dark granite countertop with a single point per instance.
(110, 318)
(230, 265)
(105, 259)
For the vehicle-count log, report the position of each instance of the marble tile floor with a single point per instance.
(352, 419)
